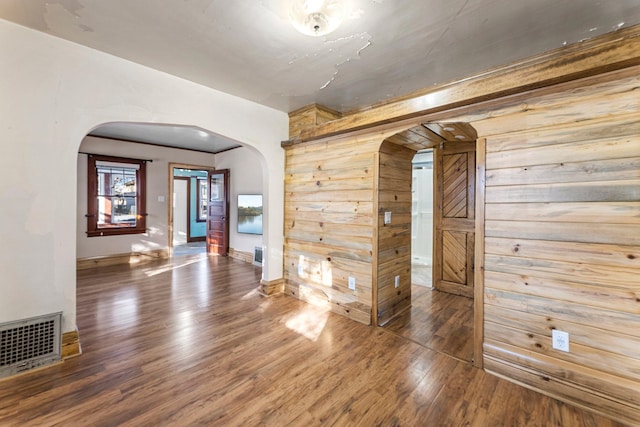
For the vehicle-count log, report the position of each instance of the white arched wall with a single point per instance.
(54, 93)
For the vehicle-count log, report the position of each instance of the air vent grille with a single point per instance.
(257, 255)
(29, 343)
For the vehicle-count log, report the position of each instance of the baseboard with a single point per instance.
(241, 255)
(117, 259)
(70, 345)
(273, 287)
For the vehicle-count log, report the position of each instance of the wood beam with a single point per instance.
(609, 52)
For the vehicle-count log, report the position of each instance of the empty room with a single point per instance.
(331, 212)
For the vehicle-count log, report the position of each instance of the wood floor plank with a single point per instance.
(189, 341)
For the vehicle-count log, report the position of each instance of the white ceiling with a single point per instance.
(385, 49)
(187, 137)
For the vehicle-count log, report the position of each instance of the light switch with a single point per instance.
(161, 199)
(387, 218)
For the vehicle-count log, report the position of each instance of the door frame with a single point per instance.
(478, 247)
(188, 199)
(227, 209)
(169, 197)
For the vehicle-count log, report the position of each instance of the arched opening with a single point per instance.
(432, 305)
(163, 148)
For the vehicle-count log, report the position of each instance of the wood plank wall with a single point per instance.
(394, 239)
(562, 235)
(329, 224)
(562, 248)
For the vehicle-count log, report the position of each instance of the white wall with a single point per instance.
(246, 178)
(53, 93)
(157, 185)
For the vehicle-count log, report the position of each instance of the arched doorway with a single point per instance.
(444, 317)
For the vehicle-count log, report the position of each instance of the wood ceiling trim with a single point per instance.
(609, 52)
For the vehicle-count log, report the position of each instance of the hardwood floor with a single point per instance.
(439, 321)
(190, 342)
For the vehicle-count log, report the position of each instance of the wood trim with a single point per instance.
(169, 198)
(609, 52)
(119, 259)
(70, 345)
(188, 180)
(272, 287)
(92, 200)
(375, 243)
(241, 255)
(478, 297)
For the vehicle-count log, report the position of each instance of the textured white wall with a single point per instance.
(53, 93)
(246, 178)
(157, 185)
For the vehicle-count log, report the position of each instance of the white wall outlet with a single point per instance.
(560, 340)
(161, 199)
(387, 218)
(396, 281)
(352, 283)
(300, 269)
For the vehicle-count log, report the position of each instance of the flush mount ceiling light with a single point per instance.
(316, 17)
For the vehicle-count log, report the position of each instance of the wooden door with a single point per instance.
(454, 218)
(218, 213)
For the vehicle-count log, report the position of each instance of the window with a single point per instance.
(116, 196)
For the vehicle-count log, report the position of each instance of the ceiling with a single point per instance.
(383, 50)
(186, 137)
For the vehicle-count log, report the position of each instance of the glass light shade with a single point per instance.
(316, 17)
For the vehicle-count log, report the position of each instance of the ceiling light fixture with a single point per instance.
(316, 17)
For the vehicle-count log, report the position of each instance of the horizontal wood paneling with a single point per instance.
(329, 224)
(579, 212)
(613, 51)
(394, 195)
(587, 232)
(552, 383)
(562, 220)
(561, 204)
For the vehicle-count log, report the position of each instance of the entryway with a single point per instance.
(199, 219)
(441, 316)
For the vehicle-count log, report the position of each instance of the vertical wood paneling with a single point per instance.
(562, 209)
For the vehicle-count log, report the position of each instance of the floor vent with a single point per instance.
(257, 255)
(29, 343)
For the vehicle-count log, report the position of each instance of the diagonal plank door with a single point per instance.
(454, 218)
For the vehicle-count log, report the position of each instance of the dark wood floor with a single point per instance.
(191, 342)
(439, 321)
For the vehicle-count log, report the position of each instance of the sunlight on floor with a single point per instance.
(309, 322)
(153, 272)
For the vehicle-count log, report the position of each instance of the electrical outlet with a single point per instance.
(352, 283)
(387, 218)
(300, 269)
(560, 340)
(397, 281)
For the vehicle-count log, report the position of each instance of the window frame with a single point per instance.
(92, 197)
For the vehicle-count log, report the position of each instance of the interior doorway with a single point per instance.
(199, 211)
(422, 218)
(180, 210)
(441, 315)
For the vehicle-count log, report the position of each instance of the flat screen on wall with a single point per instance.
(250, 213)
